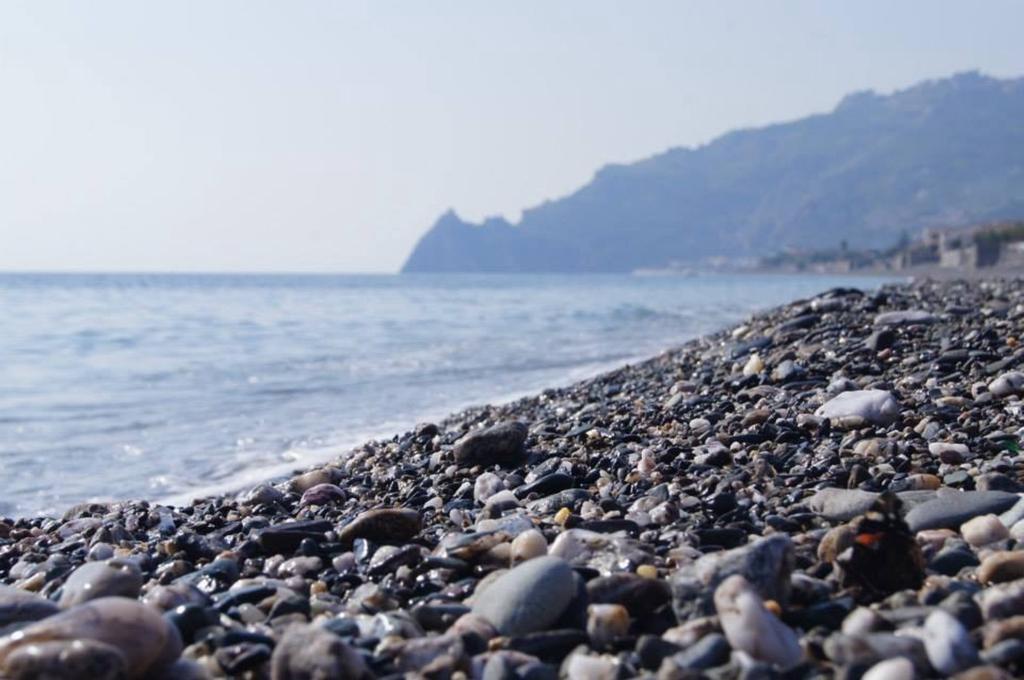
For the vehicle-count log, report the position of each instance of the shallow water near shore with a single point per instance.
(169, 386)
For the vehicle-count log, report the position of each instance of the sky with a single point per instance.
(309, 136)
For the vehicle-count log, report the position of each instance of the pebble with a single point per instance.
(765, 565)
(528, 597)
(65, 660)
(115, 577)
(501, 444)
(984, 530)
(383, 525)
(751, 628)
(606, 623)
(1007, 384)
(146, 642)
(905, 318)
(891, 669)
(20, 607)
(528, 545)
(312, 653)
(859, 408)
(948, 644)
(1002, 566)
(950, 510)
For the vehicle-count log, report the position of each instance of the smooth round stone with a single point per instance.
(585, 667)
(92, 580)
(948, 644)
(264, 494)
(1002, 566)
(891, 669)
(751, 628)
(308, 480)
(984, 530)
(485, 486)
(841, 505)
(322, 494)
(383, 525)
(64, 660)
(18, 606)
(527, 598)
(950, 509)
(145, 640)
(528, 545)
(859, 408)
(835, 541)
(1009, 383)
(311, 653)
(502, 444)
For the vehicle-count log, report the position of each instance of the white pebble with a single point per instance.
(487, 485)
(984, 530)
(751, 628)
(527, 545)
(899, 668)
(948, 644)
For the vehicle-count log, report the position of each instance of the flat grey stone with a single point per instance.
(950, 510)
(905, 317)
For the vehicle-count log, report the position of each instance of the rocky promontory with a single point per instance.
(831, 490)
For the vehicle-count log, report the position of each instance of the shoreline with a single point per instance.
(623, 501)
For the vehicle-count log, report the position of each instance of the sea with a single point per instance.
(172, 386)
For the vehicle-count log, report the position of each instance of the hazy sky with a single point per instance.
(327, 136)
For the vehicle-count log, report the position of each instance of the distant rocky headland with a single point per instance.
(942, 154)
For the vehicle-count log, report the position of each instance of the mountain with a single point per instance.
(942, 153)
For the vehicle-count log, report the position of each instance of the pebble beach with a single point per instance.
(833, 489)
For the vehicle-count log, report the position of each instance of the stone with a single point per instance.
(766, 564)
(1011, 628)
(751, 628)
(19, 607)
(322, 494)
(114, 577)
(586, 667)
(307, 652)
(1014, 514)
(1002, 601)
(954, 508)
(527, 598)
(841, 505)
(308, 480)
(606, 623)
(948, 644)
(64, 660)
(528, 545)
(147, 643)
(871, 648)
(951, 454)
(1007, 384)
(710, 651)
(891, 669)
(860, 408)
(1002, 566)
(502, 444)
(983, 530)
(383, 525)
(485, 486)
(640, 595)
(881, 339)
(905, 317)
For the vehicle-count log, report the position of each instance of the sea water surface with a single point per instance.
(171, 386)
